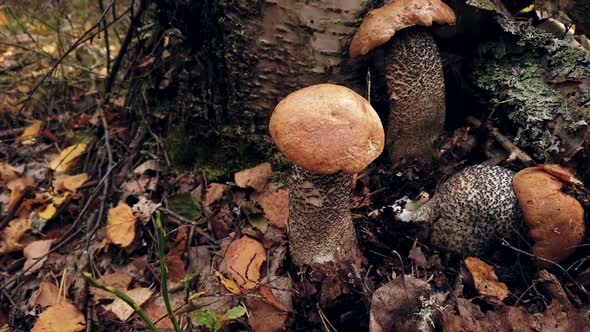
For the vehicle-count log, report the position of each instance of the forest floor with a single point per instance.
(90, 200)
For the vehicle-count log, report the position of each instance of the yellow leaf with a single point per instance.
(51, 208)
(63, 317)
(67, 158)
(229, 284)
(121, 225)
(30, 134)
(527, 9)
(70, 183)
(8, 172)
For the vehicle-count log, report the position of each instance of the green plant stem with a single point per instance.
(94, 283)
(164, 271)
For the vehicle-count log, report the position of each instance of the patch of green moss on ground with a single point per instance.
(516, 80)
(220, 155)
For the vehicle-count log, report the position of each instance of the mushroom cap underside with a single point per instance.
(327, 128)
(380, 24)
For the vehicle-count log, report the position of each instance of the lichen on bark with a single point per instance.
(539, 84)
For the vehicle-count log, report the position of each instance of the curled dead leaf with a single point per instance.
(12, 234)
(243, 260)
(121, 225)
(256, 177)
(486, 281)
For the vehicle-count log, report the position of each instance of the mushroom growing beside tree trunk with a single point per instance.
(330, 133)
(471, 211)
(413, 71)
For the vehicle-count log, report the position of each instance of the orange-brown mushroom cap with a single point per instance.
(555, 219)
(382, 23)
(327, 128)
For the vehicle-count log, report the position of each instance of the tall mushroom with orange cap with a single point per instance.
(330, 133)
(413, 70)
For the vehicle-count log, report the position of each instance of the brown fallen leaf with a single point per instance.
(70, 183)
(34, 253)
(62, 317)
(47, 295)
(12, 234)
(156, 309)
(267, 312)
(121, 225)
(122, 310)
(243, 260)
(8, 172)
(486, 281)
(276, 208)
(256, 177)
(215, 193)
(118, 280)
(394, 305)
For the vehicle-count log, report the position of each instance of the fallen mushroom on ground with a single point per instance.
(413, 71)
(329, 132)
(483, 205)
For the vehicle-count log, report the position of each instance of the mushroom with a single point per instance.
(413, 70)
(555, 219)
(329, 132)
(471, 211)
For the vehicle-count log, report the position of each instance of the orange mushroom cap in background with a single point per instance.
(380, 24)
(555, 219)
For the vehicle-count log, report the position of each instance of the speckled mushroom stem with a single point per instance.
(415, 83)
(320, 224)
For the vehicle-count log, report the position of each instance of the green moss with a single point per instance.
(516, 73)
(220, 155)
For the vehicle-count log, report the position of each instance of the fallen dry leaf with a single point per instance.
(34, 253)
(215, 193)
(70, 183)
(394, 305)
(67, 158)
(229, 284)
(122, 310)
(12, 234)
(117, 280)
(50, 209)
(243, 259)
(276, 208)
(267, 312)
(121, 225)
(485, 280)
(8, 172)
(156, 309)
(144, 209)
(47, 295)
(62, 317)
(256, 177)
(30, 134)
